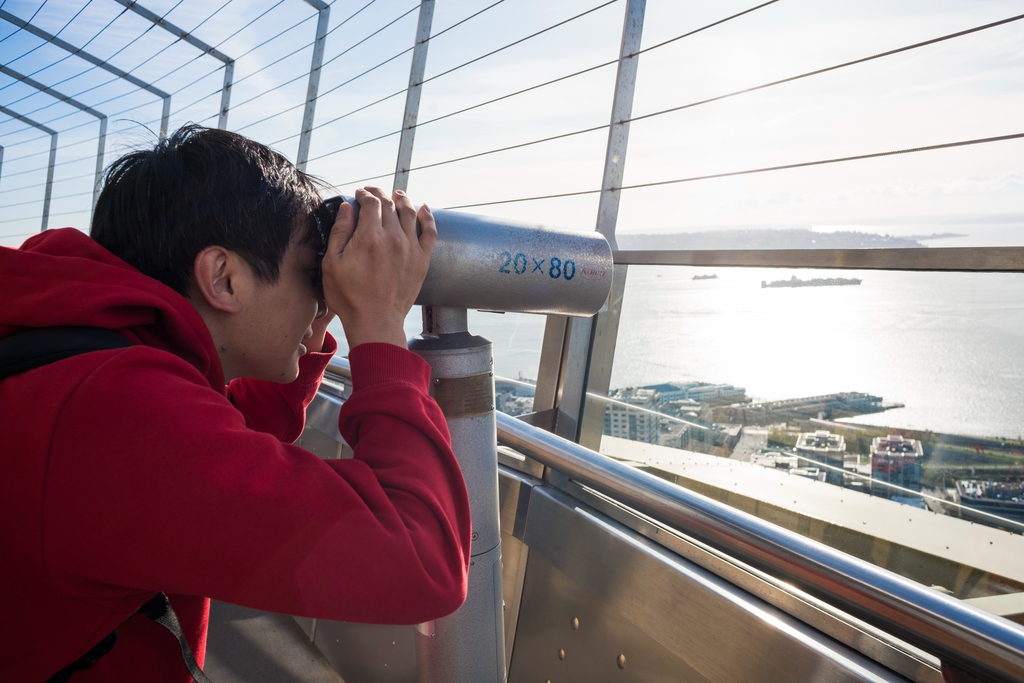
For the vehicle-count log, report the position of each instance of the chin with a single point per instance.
(282, 375)
(290, 376)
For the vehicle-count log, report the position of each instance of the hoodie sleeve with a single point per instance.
(280, 409)
(183, 497)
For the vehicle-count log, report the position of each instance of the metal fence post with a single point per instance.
(229, 64)
(324, 18)
(49, 184)
(412, 97)
(96, 61)
(99, 166)
(53, 158)
(78, 105)
(577, 354)
(225, 95)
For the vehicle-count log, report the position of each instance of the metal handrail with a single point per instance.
(961, 635)
(969, 259)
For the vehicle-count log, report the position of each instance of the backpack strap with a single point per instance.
(38, 347)
(87, 660)
(159, 609)
(32, 349)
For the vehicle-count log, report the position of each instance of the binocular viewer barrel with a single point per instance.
(494, 264)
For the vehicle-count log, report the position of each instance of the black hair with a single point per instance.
(202, 187)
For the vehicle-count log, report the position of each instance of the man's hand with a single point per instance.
(315, 344)
(373, 272)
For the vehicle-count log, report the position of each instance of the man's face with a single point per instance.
(279, 317)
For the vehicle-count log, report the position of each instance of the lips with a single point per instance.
(302, 350)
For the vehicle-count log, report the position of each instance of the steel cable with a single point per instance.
(464, 64)
(119, 15)
(540, 85)
(56, 181)
(366, 38)
(20, 234)
(647, 49)
(46, 42)
(275, 37)
(834, 67)
(702, 28)
(148, 29)
(395, 94)
(108, 61)
(479, 154)
(357, 76)
(304, 75)
(534, 87)
(36, 201)
(235, 33)
(293, 26)
(218, 45)
(38, 10)
(705, 101)
(55, 165)
(216, 92)
(29, 218)
(764, 169)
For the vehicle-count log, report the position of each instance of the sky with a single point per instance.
(961, 89)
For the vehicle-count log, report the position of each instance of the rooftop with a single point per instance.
(907, 539)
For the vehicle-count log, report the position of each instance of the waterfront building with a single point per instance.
(825, 406)
(629, 423)
(826, 448)
(895, 460)
(673, 434)
(1002, 499)
(702, 392)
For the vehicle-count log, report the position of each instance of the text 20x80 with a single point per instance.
(554, 266)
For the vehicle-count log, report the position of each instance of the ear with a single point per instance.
(218, 275)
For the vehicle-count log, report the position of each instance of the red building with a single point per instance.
(895, 460)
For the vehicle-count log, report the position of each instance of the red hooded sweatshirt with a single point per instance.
(132, 471)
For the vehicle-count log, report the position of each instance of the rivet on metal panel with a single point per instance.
(621, 661)
(561, 654)
(575, 624)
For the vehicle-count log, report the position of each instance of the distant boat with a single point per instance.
(705, 277)
(816, 282)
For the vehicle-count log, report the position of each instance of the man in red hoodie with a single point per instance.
(168, 465)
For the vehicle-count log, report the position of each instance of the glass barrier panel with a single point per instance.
(878, 412)
(517, 340)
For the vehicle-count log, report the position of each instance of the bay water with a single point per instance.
(949, 346)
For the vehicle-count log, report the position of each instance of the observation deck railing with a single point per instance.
(963, 637)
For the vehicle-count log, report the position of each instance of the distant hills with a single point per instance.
(771, 238)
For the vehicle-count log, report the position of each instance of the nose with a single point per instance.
(321, 309)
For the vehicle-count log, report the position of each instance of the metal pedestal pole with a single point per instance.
(469, 645)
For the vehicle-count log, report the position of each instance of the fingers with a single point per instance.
(406, 214)
(429, 227)
(341, 233)
(398, 213)
(388, 213)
